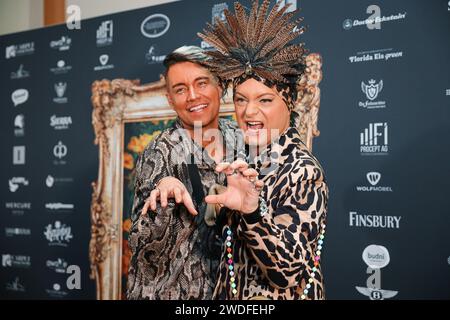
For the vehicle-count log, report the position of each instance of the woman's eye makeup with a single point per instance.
(261, 100)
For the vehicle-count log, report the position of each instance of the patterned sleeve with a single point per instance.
(283, 241)
(151, 167)
(147, 233)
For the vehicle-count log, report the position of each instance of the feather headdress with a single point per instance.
(257, 45)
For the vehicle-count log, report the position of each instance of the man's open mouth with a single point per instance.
(198, 108)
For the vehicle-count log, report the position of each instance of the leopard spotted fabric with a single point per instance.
(273, 255)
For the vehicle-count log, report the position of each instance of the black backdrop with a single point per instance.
(384, 121)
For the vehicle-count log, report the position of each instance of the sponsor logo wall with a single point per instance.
(384, 122)
(380, 196)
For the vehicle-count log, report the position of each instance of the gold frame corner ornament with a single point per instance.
(308, 101)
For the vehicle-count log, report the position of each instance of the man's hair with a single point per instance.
(192, 54)
(185, 54)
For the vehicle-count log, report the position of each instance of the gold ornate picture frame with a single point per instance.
(117, 102)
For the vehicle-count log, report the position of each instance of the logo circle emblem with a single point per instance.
(155, 25)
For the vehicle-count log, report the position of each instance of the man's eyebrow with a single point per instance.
(196, 79)
(202, 78)
(178, 84)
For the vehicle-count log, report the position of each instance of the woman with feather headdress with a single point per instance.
(274, 207)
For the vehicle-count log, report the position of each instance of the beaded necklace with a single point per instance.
(316, 263)
(230, 263)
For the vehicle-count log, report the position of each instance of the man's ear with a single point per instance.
(220, 92)
(169, 99)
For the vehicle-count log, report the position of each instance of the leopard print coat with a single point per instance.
(174, 254)
(273, 254)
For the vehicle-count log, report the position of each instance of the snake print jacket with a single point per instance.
(174, 254)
